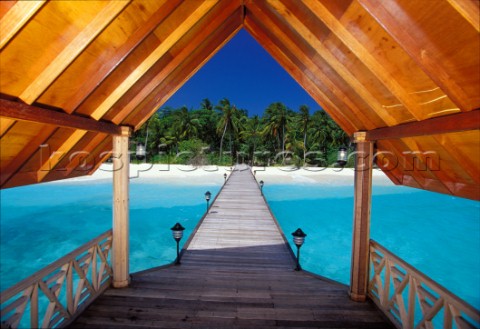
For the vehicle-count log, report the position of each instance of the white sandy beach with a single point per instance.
(215, 174)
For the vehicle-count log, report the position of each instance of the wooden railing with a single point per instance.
(58, 293)
(411, 299)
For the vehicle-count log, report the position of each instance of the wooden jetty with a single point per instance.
(237, 271)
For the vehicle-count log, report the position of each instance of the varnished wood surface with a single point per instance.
(369, 64)
(237, 272)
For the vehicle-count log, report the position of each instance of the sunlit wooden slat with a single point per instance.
(141, 69)
(337, 65)
(184, 71)
(469, 9)
(5, 124)
(220, 14)
(306, 59)
(16, 18)
(134, 40)
(365, 56)
(57, 154)
(311, 87)
(468, 157)
(80, 160)
(437, 54)
(74, 48)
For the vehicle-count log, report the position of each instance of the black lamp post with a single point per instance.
(261, 186)
(298, 239)
(207, 198)
(342, 156)
(177, 232)
(225, 176)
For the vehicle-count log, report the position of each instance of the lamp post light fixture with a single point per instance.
(208, 195)
(298, 239)
(342, 156)
(225, 176)
(261, 186)
(141, 151)
(177, 232)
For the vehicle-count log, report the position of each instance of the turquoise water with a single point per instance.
(438, 234)
(43, 222)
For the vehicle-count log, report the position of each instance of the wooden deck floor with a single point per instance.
(237, 272)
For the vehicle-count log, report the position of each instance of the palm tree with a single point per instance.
(277, 118)
(305, 121)
(251, 133)
(184, 124)
(230, 121)
(206, 104)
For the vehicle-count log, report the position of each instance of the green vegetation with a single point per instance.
(223, 135)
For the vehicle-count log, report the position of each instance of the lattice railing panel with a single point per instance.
(413, 300)
(53, 296)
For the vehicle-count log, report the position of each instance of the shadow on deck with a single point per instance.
(236, 272)
(219, 288)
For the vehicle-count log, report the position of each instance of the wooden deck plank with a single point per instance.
(236, 272)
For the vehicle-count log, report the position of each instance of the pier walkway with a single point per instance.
(236, 272)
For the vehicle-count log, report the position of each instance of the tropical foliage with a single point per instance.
(222, 134)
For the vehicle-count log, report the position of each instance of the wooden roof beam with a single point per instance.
(185, 70)
(311, 87)
(16, 17)
(296, 63)
(440, 125)
(120, 55)
(369, 60)
(360, 88)
(72, 50)
(470, 10)
(25, 112)
(201, 10)
(433, 57)
(221, 13)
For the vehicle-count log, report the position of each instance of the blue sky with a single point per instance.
(247, 75)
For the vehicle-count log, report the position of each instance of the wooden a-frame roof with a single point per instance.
(407, 72)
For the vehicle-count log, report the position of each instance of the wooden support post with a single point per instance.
(361, 221)
(120, 241)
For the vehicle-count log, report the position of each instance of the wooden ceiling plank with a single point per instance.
(58, 154)
(365, 56)
(220, 14)
(104, 151)
(81, 157)
(397, 148)
(428, 164)
(459, 167)
(184, 71)
(70, 52)
(337, 65)
(420, 49)
(469, 9)
(25, 154)
(20, 111)
(120, 55)
(16, 18)
(5, 125)
(469, 166)
(303, 80)
(153, 57)
(316, 71)
(440, 125)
